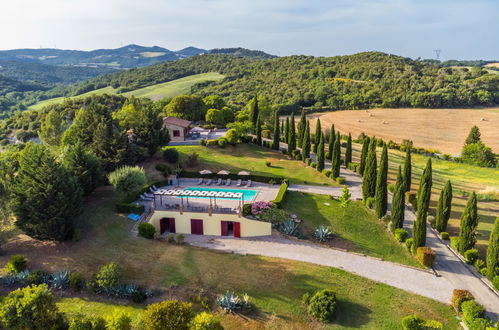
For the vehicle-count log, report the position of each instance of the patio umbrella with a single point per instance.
(246, 173)
(223, 172)
(205, 172)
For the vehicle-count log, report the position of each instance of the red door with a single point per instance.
(196, 227)
(162, 225)
(172, 225)
(237, 229)
(225, 228)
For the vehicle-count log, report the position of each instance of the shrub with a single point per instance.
(401, 234)
(161, 167)
(412, 322)
(305, 299)
(495, 282)
(38, 277)
(222, 142)
(454, 242)
(408, 244)
(268, 164)
(168, 314)
(426, 255)
(432, 324)
(16, 264)
(127, 179)
(326, 173)
(202, 142)
(170, 238)
(170, 155)
(471, 255)
(109, 276)
(472, 310)
(340, 180)
(119, 321)
(76, 281)
(322, 305)
(297, 157)
(246, 210)
(370, 202)
(138, 296)
(483, 271)
(205, 321)
(274, 215)
(212, 142)
(444, 235)
(431, 220)
(180, 238)
(231, 302)
(308, 161)
(146, 230)
(129, 208)
(481, 324)
(77, 323)
(313, 164)
(460, 296)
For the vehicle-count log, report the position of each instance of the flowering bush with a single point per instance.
(257, 208)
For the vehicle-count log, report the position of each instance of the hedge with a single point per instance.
(426, 255)
(129, 208)
(460, 296)
(282, 192)
(234, 176)
(472, 310)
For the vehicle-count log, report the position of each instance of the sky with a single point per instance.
(414, 28)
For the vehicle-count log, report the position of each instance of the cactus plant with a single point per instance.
(288, 227)
(323, 233)
(60, 280)
(231, 302)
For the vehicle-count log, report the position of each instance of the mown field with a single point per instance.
(154, 92)
(274, 285)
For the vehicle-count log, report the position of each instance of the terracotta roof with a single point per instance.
(176, 121)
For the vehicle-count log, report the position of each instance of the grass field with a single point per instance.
(353, 231)
(441, 129)
(154, 92)
(252, 158)
(274, 285)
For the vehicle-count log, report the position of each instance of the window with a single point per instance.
(176, 132)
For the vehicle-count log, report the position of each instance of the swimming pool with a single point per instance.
(247, 194)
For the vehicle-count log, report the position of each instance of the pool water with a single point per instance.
(247, 194)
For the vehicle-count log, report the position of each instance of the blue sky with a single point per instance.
(414, 28)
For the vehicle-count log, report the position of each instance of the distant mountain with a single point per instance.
(243, 52)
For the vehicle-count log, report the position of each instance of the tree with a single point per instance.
(345, 199)
(219, 117)
(277, 133)
(253, 109)
(348, 151)
(45, 197)
(369, 179)
(32, 307)
(84, 166)
(323, 305)
(190, 107)
(305, 148)
(318, 133)
(469, 223)
(214, 102)
(473, 136)
(52, 129)
(302, 125)
(168, 315)
(336, 160)
(320, 153)
(407, 169)
(398, 202)
(424, 194)
(259, 131)
(363, 155)
(292, 135)
(381, 194)
(119, 320)
(332, 138)
(127, 179)
(493, 252)
(478, 154)
(286, 130)
(232, 136)
(444, 208)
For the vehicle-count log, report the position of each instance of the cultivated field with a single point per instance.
(154, 92)
(441, 129)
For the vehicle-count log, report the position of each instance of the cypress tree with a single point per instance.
(493, 252)
(259, 131)
(286, 131)
(381, 185)
(305, 148)
(277, 133)
(424, 194)
(318, 131)
(283, 130)
(398, 202)
(363, 155)
(84, 166)
(473, 136)
(469, 223)
(407, 169)
(369, 179)
(254, 111)
(332, 137)
(301, 127)
(444, 208)
(348, 151)
(336, 161)
(292, 135)
(320, 153)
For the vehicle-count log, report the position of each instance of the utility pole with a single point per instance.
(437, 52)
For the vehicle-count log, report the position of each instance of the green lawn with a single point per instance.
(154, 92)
(274, 285)
(252, 158)
(353, 231)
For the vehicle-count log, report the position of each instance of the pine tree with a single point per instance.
(320, 153)
(259, 131)
(381, 194)
(348, 151)
(292, 135)
(363, 155)
(45, 197)
(369, 179)
(444, 208)
(332, 137)
(398, 202)
(286, 131)
(318, 131)
(407, 169)
(493, 252)
(473, 136)
(254, 111)
(469, 223)
(84, 166)
(424, 194)
(336, 161)
(52, 129)
(277, 133)
(301, 128)
(305, 148)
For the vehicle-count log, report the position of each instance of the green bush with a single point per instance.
(454, 242)
(76, 281)
(412, 322)
(495, 282)
(305, 299)
(170, 238)
(205, 321)
(168, 314)
(326, 173)
(109, 276)
(212, 142)
(444, 235)
(127, 179)
(322, 305)
(202, 142)
(340, 180)
(180, 239)
(460, 296)
(471, 255)
(16, 264)
(313, 164)
(222, 142)
(78, 323)
(353, 166)
(37, 277)
(119, 321)
(481, 324)
(408, 244)
(426, 255)
(130, 208)
(308, 161)
(472, 310)
(268, 164)
(161, 167)
(432, 324)
(479, 264)
(369, 202)
(246, 210)
(483, 271)
(401, 234)
(146, 230)
(170, 155)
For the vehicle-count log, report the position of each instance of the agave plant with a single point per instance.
(149, 293)
(288, 227)
(231, 302)
(60, 280)
(323, 233)
(22, 277)
(9, 280)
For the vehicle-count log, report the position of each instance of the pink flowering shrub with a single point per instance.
(257, 208)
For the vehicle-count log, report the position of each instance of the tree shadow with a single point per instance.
(351, 314)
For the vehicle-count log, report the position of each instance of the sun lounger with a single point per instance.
(227, 183)
(239, 182)
(151, 189)
(209, 182)
(149, 195)
(154, 187)
(248, 184)
(144, 197)
(219, 181)
(200, 181)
